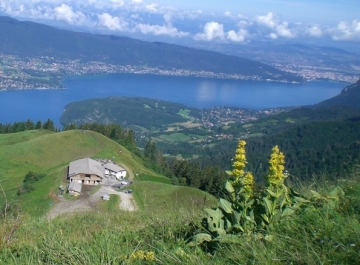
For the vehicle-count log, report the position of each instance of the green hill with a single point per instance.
(140, 114)
(49, 152)
(321, 228)
(349, 97)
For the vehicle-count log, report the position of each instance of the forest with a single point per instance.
(313, 148)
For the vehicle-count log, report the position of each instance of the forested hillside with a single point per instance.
(33, 40)
(349, 97)
(319, 139)
(130, 112)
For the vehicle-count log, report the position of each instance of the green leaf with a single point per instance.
(283, 203)
(229, 187)
(301, 200)
(229, 239)
(336, 192)
(214, 219)
(226, 206)
(228, 225)
(250, 219)
(220, 231)
(250, 203)
(268, 205)
(238, 227)
(215, 214)
(272, 193)
(264, 216)
(200, 238)
(315, 194)
(228, 172)
(269, 238)
(287, 212)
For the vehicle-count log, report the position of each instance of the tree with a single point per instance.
(150, 151)
(29, 125)
(49, 125)
(38, 125)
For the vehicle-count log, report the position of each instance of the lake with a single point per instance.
(37, 105)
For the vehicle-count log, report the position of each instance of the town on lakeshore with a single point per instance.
(47, 72)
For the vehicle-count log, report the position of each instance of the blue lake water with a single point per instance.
(37, 105)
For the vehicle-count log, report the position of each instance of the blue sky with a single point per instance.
(303, 11)
(225, 21)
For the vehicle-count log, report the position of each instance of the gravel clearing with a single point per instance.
(87, 202)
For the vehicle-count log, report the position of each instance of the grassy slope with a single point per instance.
(323, 236)
(48, 152)
(159, 197)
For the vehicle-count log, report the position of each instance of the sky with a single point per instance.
(221, 21)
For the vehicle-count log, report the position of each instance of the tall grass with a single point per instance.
(318, 236)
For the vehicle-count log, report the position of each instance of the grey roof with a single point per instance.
(113, 167)
(86, 166)
(75, 186)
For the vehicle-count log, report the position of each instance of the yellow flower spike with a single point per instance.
(248, 182)
(276, 167)
(242, 179)
(142, 255)
(150, 256)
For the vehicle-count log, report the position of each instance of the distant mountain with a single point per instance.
(349, 97)
(29, 39)
(310, 60)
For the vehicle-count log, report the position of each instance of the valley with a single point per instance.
(141, 133)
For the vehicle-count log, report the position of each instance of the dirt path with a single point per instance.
(88, 202)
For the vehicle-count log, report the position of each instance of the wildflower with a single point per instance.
(242, 180)
(149, 256)
(276, 175)
(240, 161)
(142, 255)
(248, 182)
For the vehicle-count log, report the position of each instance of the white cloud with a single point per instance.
(150, 17)
(314, 31)
(279, 28)
(160, 30)
(117, 3)
(346, 31)
(239, 36)
(273, 36)
(212, 30)
(189, 14)
(65, 13)
(283, 30)
(112, 23)
(152, 8)
(267, 20)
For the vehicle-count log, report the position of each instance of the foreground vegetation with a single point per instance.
(324, 236)
(163, 230)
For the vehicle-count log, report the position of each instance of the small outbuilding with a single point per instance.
(75, 188)
(115, 170)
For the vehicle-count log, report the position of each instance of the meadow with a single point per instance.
(160, 235)
(167, 219)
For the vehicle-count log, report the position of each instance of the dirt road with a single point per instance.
(87, 202)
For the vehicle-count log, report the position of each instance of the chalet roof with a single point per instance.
(75, 186)
(113, 167)
(86, 166)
